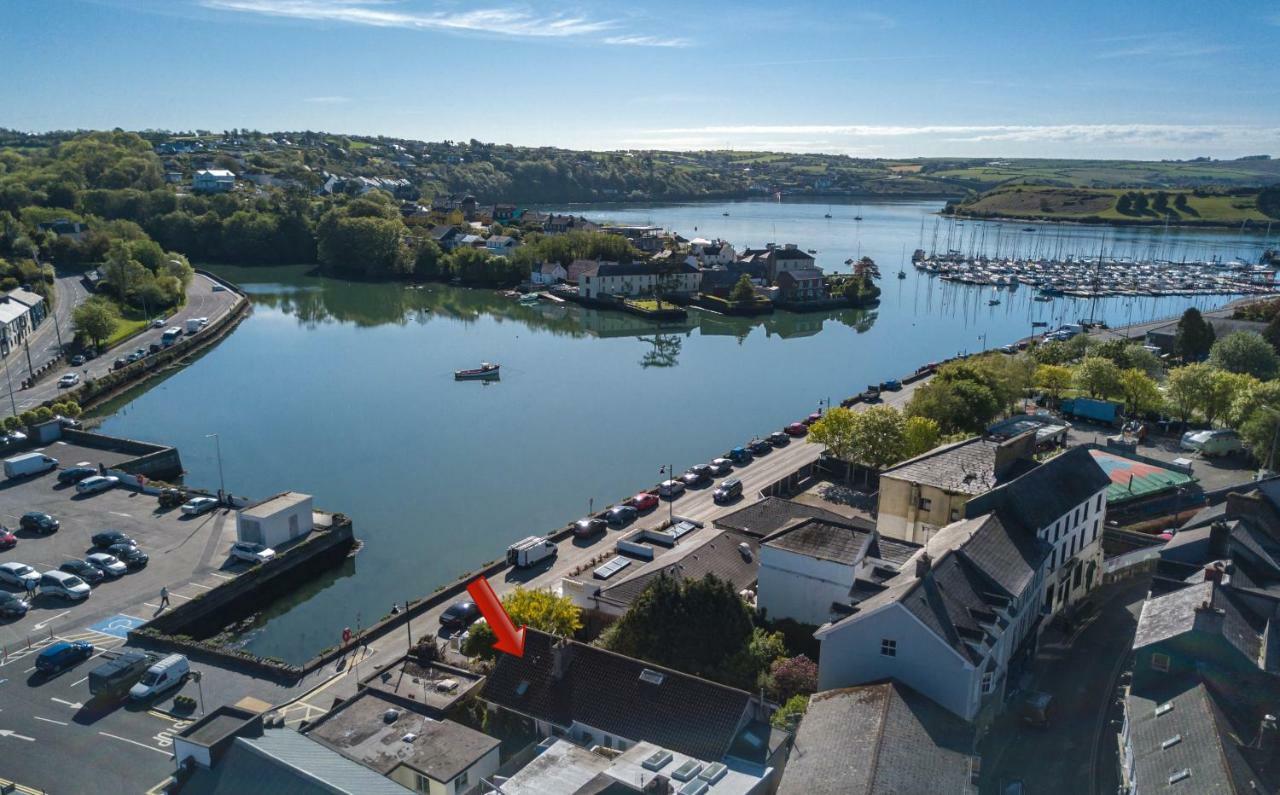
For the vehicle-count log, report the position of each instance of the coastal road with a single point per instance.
(202, 301)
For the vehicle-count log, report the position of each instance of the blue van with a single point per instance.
(61, 655)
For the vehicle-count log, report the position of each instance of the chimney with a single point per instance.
(658, 785)
(923, 564)
(1213, 572)
(1268, 736)
(1219, 540)
(561, 656)
(1209, 618)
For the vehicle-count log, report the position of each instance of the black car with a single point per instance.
(779, 439)
(727, 491)
(119, 363)
(459, 615)
(75, 474)
(84, 570)
(37, 522)
(12, 605)
(621, 514)
(129, 555)
(759, 446)
(110, 538)
(155, 347)
(589, 526)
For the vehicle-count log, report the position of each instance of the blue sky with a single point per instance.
(1122, 78)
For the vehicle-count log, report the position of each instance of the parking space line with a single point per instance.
(51, 720)
(135, 742)
(29, 670)
(221, 576)
(79, 681)
(201, 585)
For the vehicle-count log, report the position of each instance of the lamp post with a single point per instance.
(199, 676)
(12, 401)
(670, 471)
(222, 484)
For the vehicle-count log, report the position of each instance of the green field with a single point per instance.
(1117, 205)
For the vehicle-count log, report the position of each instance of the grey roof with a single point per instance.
(626, 269)
(878, 738)
(721, 556)
(284, 762)
(1179, 612)
(1040, 497)
(800, 275)
(967, 467)
(771, 514)
(604, 690)
(441, 749)
(825, 540)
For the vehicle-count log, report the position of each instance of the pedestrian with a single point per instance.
(395, 608)
(31, 590)
(164, 596)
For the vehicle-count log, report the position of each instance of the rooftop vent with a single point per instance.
(652, 677)
(687, 771)
(1164, 708)
(1181, 775)
(390, 715)
(409, 738)
(713, 772)
(656, 760)
(1172, 741)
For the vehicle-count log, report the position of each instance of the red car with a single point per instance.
(644, 501)
(796, 429)
(812, 418)
(7, 539)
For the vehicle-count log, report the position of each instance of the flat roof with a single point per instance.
(217, 725)
(274, 505)
(431, 684)
(1131, 479)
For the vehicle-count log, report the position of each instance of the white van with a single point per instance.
(168, 673)
(64, 584)
(28, 464)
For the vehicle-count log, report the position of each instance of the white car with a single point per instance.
(198, 505)
(159, 322)
(109, 565)
(251, 552)
(97, 483)
(19, 574)
(70, 379)
(65, 585)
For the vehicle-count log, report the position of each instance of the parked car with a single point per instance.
(7, 539)
(72, 475)
(720, 466)
(1220, 442)
(459, 615)
(67, 422)
(109, 538)
(159, 322)
(64, 585)
(84, 570)
(121, 362)
(589, 526)
(140, 352)
(728, 491)
(696, 475)
(739, 456)
(644, 501)
(115, 677)
(670, 489)
(760, 446)
(77, 360)
(796, 429)
(779, 439)
(62, 655)
(198, 505)
(15, 436)
(129, 555)
(812, 418)
(621, 514)
(108, 564)
(251, 552)
(155, 347)
(892, 385)
(37, 522)
(96, 484)
(131, 358)
(19, 574)
(70, 379)
(165, 675)
(28, 464)
(12, 605)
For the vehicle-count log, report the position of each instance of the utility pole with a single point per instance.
(12, 401)
(31, 370)
(222, 484)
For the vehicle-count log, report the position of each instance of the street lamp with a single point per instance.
(670, 471)
(199, 676)
(222, 484)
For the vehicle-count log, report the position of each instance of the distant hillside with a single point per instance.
(1198, 207)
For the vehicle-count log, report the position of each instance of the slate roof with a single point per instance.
(1040, 497)
(1175, 613)
(966, 467)
(626, 269)
(816, 538)
(284, 762)
(721, 556)
(767, 516)
(604, 690)
(878, 739)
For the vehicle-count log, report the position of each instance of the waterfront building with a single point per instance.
(608, 279)
(779, 259)
(213, 180)
(501, 245)
(548, 274)
(801, 285)
(1164, 337)
(276, 520)
(710, 253)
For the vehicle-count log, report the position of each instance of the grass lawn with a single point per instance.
(126, 328)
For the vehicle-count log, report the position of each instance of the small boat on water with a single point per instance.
(724, 213)
(994, 302)
(1028, 229)
(902, 274)
(528, 299)
(484, 372)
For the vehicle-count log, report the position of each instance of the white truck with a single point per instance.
(28, 464)
(194, 324)
(529, 551)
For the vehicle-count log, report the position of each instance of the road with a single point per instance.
(202, 301)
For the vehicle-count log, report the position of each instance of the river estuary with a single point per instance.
(345, 391)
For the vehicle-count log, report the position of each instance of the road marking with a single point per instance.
(75, 683)
(180, 596)
(49, 621)
(117, 513)
(135, 742)
(72, 704)
(221, 576)
(201, 585)
(16, 736)
(117, 626)
(50, 720)
(29, 670)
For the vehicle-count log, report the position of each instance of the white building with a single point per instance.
(613, 278)
(548, 273)
(501, 245)
(213, 180)
(15, 323)
(710, 253)
(275, 520)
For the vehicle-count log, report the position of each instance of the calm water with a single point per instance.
(345, 391)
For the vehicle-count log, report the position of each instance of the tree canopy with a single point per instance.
(1194, 337)
(1245, 352)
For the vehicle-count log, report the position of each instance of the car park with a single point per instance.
(97, 483)
(727, 491)
(64, 585)
(108, 564)
(644, 501)
(198, 505)
(72, 475)
(779, 439)
(250, 552)
(589, 526)
(19, 574)
(671, 489)
(459, 615)
(7, 539)
(62, 655)
(796, 429)
(759, 446)
(129, 555)
(68, 380)
(109, 538)
(12, 605)
(621, 514)
(37, 522)
(720, 466)
(84, 570)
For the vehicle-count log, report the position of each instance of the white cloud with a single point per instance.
(647, 41)
(334, 100)
(1159, 46)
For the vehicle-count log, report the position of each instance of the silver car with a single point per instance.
(109, 565)
(19, 574)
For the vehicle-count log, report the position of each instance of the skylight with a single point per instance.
(1163, 708)
(1172, 741)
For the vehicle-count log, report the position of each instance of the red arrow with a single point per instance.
(510, 639)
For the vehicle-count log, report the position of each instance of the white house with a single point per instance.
(710, 253)
(613, 278)
(814, 570)
(213, 180)
(949, 624)
(548, 273)
(15, 323)
(275, 520)
(685, 280)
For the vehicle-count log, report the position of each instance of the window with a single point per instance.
(1053, 561)
(889, 648)
(924, 504)
(460, 781)
(1159, 662)
(421, 783)
(988, 681)
(1095, 530)
(1100, 502)
(1072, 553)
(1075, 581)
(1086, 511)
(955, 514)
